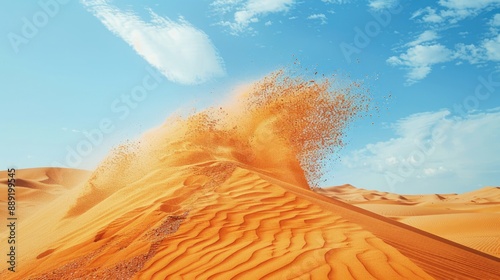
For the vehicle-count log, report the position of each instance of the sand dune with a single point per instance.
(470, 219)
(224, 194)
(246, 227)
(221, 220)
(39, 186)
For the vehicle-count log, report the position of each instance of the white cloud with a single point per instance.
(432, 152)
(492, 47)
(467, 4)
(470, 53)
(453, 11)
(419, 59)
(495, 21)
(338, 2)
(224, 6)
(181, 52)
(321, 17)
(426, 36)
(382, 4)
(249, 12)
(486, 50)
(428, 14)
(424, 52)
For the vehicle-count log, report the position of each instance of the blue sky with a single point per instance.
(103, 72)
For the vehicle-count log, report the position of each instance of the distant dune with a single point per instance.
(224, 194)
(37, 187)
(471, 219)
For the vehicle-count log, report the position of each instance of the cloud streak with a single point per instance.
(379, 5)
(321, 17)
(248, 12)
(180, 51)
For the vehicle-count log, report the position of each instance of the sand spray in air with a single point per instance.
(284, 126)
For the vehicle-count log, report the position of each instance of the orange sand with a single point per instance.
(471, 219)
(223, 195)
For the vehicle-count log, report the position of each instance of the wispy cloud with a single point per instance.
(453, 11)
(245, 13)
(71, 130)
(495, 21)
(428, 14)
(492, 48)
(487, 50)
(426, 36)
(425, 52)
(422, 53)
(338, 2)
(180, 51)
(321, 17)
(431, 151)
(419, 59)
(225, 6)
(382, 4)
